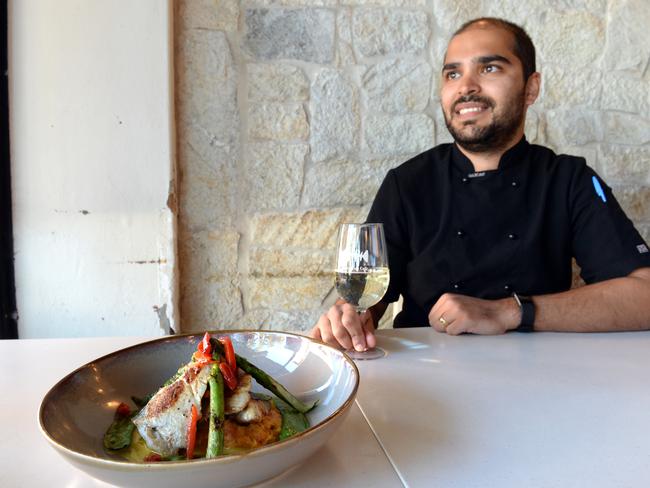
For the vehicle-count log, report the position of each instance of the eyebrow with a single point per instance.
(492, 58)
(480, 60)
(449, 66)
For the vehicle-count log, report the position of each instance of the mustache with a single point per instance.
(488, 102)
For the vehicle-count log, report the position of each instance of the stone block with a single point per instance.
(345, 55)
(449, 15)
(277, 83)
(385, 3)
(625, 93)
(207, 140)
(399, 134)
(291, 262)
(203, 61)
(210, 305)
(563, 86)
(293, 3)
(628, 36)
(573, 37)
(344, 52)
(334, 116)
(207, 14)
(344, 25)
(278, 122)
(436, 78)
(206, 188)
(305, 34)
(625, 164)
(532, 14)
(635, 201)
(287, 293)
(311, 229)
(397, 86)
(594, 6)
(273, 175)
(627, 129)
(389, 32)
(571, 127)
(208, 255)
(297, 321)
(206, 94)
(346, 182)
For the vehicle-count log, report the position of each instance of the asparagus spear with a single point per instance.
(216, 418)
(266, 380)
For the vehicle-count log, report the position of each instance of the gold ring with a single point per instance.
(442, 321)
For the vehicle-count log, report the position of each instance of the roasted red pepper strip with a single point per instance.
(123, 410)
(204, 346)
(191, 432)
(230, 353)
(201, 357)
(228, 376)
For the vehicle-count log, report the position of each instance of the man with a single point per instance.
(481, 233)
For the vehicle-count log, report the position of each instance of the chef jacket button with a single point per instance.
(465, 179)
(456, 286)
(460, 233)
(512, 236)
(514, 183)
(507, 287)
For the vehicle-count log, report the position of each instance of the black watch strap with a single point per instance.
(527, 308)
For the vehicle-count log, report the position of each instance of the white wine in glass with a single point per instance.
(362, 274)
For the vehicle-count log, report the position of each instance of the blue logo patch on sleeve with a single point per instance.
(599, 189)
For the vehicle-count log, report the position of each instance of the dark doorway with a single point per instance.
(8, 316)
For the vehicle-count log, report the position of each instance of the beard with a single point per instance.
(494, 136)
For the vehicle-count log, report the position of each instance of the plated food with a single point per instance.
(75, 413)
(206, 410)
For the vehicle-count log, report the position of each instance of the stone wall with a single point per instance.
(290, 112)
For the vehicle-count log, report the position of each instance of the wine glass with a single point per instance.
(362, 273)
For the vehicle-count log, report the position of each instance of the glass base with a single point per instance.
(375, 353)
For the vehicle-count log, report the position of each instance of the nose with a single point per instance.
(469, 84)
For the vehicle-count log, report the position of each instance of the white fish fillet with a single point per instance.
(254, 412)
(162, 423)
(236, 401)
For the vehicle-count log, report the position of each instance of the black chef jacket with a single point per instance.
(491, 233)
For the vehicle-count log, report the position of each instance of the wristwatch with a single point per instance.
(527, 308)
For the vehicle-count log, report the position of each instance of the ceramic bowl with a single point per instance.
(75, 413)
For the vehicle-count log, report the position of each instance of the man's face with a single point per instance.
(483, 90)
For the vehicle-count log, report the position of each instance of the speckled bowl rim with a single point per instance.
(128, 466)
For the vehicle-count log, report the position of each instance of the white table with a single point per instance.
(520, 410)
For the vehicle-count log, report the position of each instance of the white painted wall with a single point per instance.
(92, 166)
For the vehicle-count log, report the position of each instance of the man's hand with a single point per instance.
(456, 314)
(343, 327)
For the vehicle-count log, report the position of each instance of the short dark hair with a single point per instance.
(523, 46)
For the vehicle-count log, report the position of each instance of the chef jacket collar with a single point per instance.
(509, 158)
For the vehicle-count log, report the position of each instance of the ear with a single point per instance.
(532, 88)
